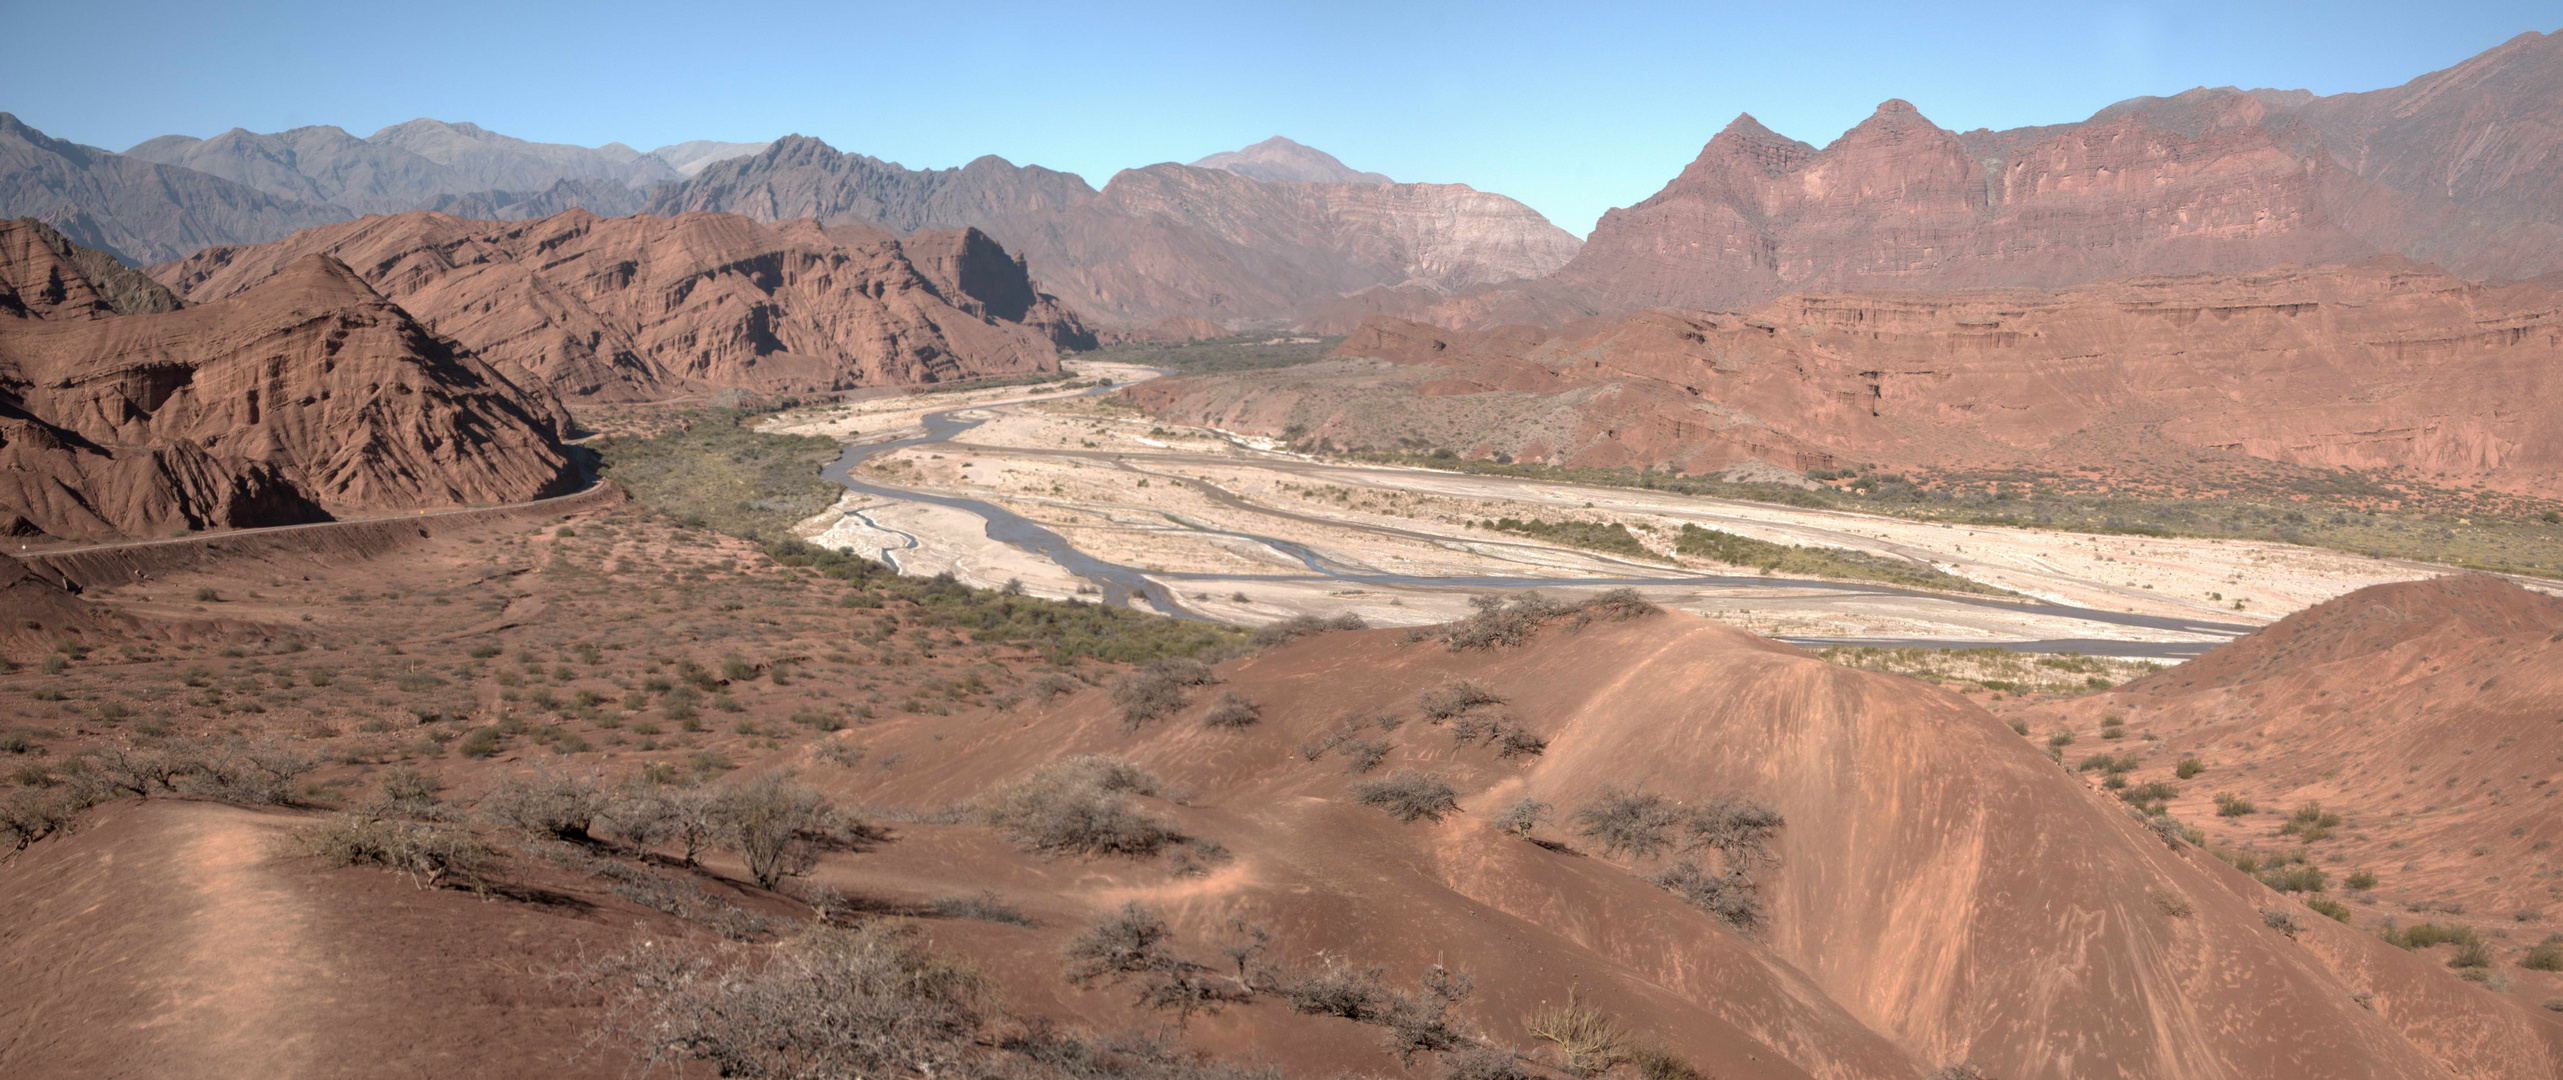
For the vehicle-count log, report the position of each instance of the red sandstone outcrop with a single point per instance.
(647, 308)
(45, 276)
(306, 396)
(2381, 364)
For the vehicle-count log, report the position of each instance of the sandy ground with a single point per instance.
(1170, 501)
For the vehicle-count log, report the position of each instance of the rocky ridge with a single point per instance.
(307, 396)
(647, 308)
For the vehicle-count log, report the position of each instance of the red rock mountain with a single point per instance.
(2457, 167)
(45, 276)
(307, 396)
(1166, 240)
(2381, 364)
(648, 308)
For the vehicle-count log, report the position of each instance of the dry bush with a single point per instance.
(647, 815)
(1362, 755)
(1415, 1022)
(1483, 1063)
(403, 791)
(1052, 685)
(546, 804)
(776, 827)
(1409, 796)
(1628, 821)
(1157, 688)
(1618, 605)
(1455, 697)
(984, 906)
(1232, 710)
(427, 853)
(1739, 829)
(1132, 945)
(1522, 816)
(1502, 623)
(31, 814)
(1588, 1040)
(873, 1001)
(1730, 896)
(258, 773)
(1300, 626)
(1077, 806)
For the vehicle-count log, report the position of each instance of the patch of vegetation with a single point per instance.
(1081, 806)
(1211, 356)
(1995, 669)
(1062, 630)
(2363, 513)
(1408, 796)
(1502, 621)
(1799, 560)
(708, 470)
(1610, 536)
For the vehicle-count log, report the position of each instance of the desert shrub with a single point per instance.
(1740, 829)
(480, 742)
(1415, 1022)
(2546, 955)
(546, 804)
(31, 814)
(872, 1001)
(1362, 755)
(2295, 878)
(427, 853)
(1499, 622)
(776, 827)
(1730, 896)
(1618, 605)
(1300, 626)
(1656, 1062)
(1052, 685)
(1132, 945)
(261, 774)
(1522, 816)
(144, 771)
(2361, 880)
(1484, 1063)
(1628, 821)
(407, 792)
(2475, 953)
(2329, 908)
(1455, 697)
(2424, 935)
(1077, 806)
(2189, 767)
(2310, 822)
(2281, 921)
(1409, 796)
(2231, 805)
(647, 814)
(1232, 710)
(984, 906)
(1588, 1041)
(1157, 688)
(838, 752)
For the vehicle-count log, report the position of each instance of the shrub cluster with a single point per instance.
(1080, 806)
(1154, 689)
(1502, 622)
(1409, 796)
(1642, 824)
(1300, 626)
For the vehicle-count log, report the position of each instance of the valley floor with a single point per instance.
(1239, 530)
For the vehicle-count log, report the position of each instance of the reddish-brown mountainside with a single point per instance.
(2380, 364)
(45, 276)
(2423, 713)
(306, 395)
(2457, 167)
(648, 308)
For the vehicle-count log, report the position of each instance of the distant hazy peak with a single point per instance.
(690, 157)
(1279, 159)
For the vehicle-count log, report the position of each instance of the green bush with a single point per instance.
(2231, 805)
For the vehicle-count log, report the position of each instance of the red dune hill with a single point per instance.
(1942, 892)
(2424, 714)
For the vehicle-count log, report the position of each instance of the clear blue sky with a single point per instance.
(1571, 108)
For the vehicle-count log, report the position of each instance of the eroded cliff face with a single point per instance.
(43, 275)
(303, 397)
(646, 308)
(2378, 365)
